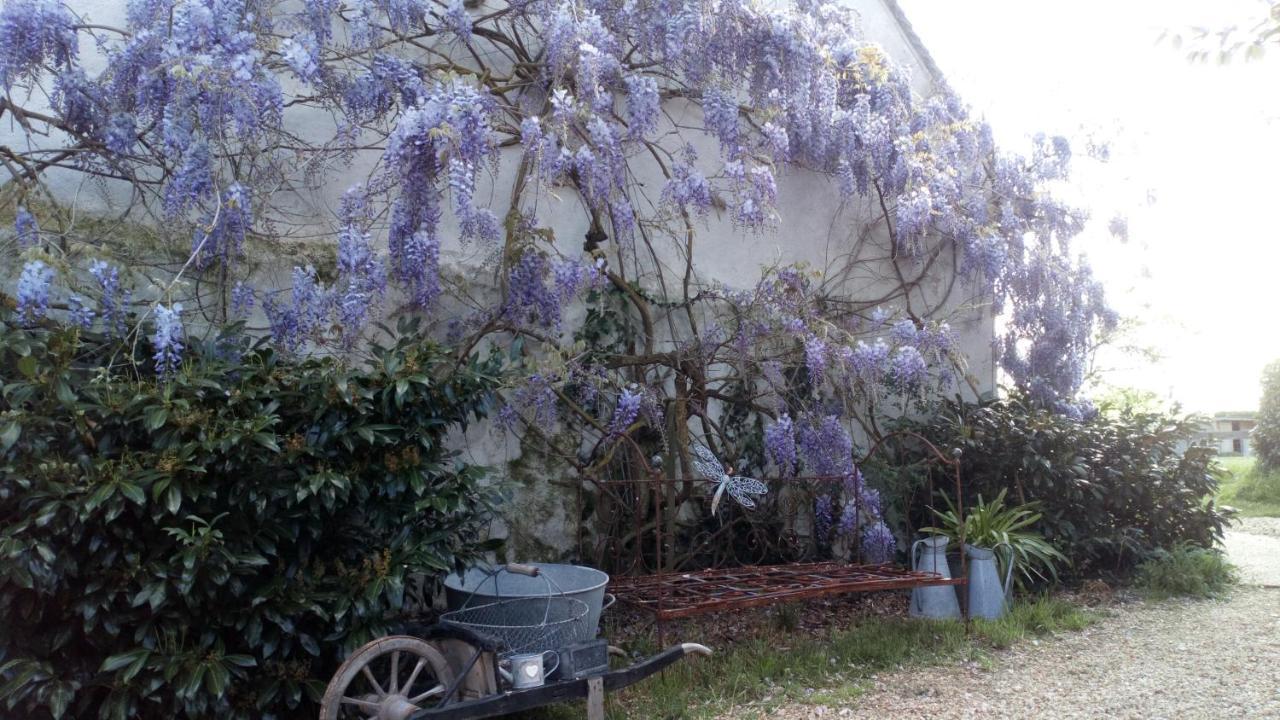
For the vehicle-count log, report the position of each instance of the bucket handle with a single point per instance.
(553, 588)
(609, 600)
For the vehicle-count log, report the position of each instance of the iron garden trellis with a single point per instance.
(659, 587)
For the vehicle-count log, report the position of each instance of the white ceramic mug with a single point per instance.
(529, 670)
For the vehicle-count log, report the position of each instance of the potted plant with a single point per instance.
(986, 529)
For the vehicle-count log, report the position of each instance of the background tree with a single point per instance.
(1224, 44)
(1266, 436)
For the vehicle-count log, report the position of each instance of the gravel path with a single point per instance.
(1177, 659)
(1257, 556)
(1259, 526)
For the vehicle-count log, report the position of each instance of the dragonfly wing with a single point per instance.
(750, 485)
(706, 463)
(743, 498)
(742, 488)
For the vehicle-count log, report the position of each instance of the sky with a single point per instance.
(1195, 151)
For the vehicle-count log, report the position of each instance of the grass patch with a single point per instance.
(777, 667)
(1244, 487)
(1186, 571)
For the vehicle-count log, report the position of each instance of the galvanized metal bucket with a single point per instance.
(480, 586)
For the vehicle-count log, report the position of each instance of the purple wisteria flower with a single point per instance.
(301, 54)
(33, 291)
(32, 33)
(689, 189)
(870, 362)
(908, 367)
(823, 508)
(242, 299)
(642, 105)
(904, 332)
(450, 120)
(113, 303)
(536, 400)
(220, 235)
(871, 502)
(168, 339)
(1119, 228)
(362, 277)
(626, 412)
(457, 19)
(913, 214)
(720, 116)
(815, 358)
(532, 299)
(304, 316)
(776, 141)
(849, 519)
(121, 135)
(825, 446)
(25, 230)
(79, 313)
(878, 543)
(780, 444)
(192, 181)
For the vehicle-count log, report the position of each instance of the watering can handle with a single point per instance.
(915, 565)
(522, 569)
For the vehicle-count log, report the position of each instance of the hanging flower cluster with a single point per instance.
(594, 98)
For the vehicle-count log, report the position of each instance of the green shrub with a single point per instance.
(1186, 571)
(1260, 485)
(1111, 488)
(212, 545)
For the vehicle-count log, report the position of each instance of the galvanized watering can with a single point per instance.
(988, 597)
(940, 602)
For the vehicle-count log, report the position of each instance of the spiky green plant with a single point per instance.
(992, 524)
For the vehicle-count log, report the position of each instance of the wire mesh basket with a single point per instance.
(525, 625)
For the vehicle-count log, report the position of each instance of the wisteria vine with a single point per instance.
(478, 122)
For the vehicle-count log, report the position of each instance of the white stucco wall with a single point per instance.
(815, 225)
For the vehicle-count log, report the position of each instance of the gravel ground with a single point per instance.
(1259, 526)
(1176, 659)
(1257, 556)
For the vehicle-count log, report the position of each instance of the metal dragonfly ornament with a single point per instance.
(739, 488)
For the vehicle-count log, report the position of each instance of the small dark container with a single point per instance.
(584, 660)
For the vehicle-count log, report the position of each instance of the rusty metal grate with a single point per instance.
(676, 595)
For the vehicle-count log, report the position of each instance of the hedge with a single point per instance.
(213, 544)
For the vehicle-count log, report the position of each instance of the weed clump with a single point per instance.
(1186, 571)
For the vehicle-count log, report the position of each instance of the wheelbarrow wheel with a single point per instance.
(389, 679)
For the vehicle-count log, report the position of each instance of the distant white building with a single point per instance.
(1230, 432)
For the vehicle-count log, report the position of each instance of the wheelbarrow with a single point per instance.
(469, 665)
